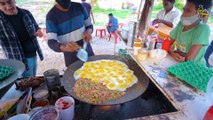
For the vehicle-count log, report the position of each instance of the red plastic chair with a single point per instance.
(116, 36)
(101, 30)
(121, 25)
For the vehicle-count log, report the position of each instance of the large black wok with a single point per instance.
(133, 92)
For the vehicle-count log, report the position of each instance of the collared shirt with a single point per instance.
(9, 40)
(114, 22)
(172, 16)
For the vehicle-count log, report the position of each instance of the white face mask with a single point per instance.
(189, 20)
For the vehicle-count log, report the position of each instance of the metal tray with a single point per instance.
(19, 68)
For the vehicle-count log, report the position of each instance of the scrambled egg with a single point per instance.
(114, 74)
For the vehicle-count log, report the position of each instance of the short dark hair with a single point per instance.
(172, 1)
(207, 4)
(110, 14)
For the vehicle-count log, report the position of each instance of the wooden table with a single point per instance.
(163, 31)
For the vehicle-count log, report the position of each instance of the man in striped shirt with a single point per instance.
(68, 25)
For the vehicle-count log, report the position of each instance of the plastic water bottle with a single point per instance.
(155, 30)
(154, 38)
(152, 42)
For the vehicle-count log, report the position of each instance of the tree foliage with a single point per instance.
(22, 1)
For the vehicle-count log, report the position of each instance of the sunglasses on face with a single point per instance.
(9, 2)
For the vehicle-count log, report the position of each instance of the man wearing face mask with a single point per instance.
(169, 16)
(68, 26)
(191, 36)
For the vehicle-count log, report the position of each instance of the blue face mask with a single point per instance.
(64, 3)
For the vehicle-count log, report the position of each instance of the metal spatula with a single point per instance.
(82, 53)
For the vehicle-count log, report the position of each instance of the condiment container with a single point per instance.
(142, 54)
(65, 105)
(40, 103)
(166, 44)
(41, 94)
(137, 46)
(46, 113)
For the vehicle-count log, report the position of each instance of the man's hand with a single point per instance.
(177, 56)
(110, 24)
(70, 47)
(39, 33)
(87, 36)
(156, 21)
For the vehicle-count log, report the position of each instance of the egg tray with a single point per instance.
(5, 71)
(193, 73)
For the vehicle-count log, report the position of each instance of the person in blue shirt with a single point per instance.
(112, 24)
(208, 53)
(209, 50)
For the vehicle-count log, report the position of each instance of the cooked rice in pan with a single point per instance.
(94, 93)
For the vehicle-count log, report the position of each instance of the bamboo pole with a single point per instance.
(145, 18)
(139, 9)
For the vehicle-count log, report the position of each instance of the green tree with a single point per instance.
(22, 1)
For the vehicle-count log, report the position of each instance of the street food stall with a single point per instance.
(143, 86)
(157, 95)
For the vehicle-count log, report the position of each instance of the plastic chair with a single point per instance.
(116, 36)
(121, 25)
(101, 30)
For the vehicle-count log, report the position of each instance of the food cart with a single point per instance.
(166, 97)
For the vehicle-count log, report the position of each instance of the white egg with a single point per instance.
(114, 74)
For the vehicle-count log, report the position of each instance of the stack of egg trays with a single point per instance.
(5, 71)
(193, 73)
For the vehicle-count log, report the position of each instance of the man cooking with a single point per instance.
(68, 25)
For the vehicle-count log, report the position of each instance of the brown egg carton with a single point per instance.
(24, 83)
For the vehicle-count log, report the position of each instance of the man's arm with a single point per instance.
(167, 23)
(93, 19)
(57, 47)
(38, 31)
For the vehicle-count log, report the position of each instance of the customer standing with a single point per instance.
(169, 16)
(68, 25)
(88, 7)
(18, 36)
